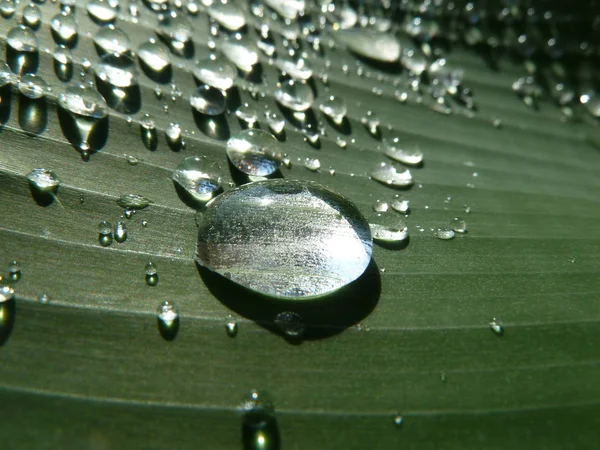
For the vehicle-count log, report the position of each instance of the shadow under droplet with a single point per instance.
(71, 130)
(215, 127)
(255, 76)
(5, 105)
(127, 100)
(22, 62)
(189, 200)
(240, 177)
(64, 72)
(69, 43)
(233, 99)
(33, 114)
(261, 434)
(394, 245)
(149, 138)
(43, 199)
(168, 330)
(324, 317)
(158, 76)
(344, 127)
(8, 310)
(309, 120)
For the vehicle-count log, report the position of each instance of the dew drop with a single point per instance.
(112, 40)
(444, 234)
(7, 8)
(398, 420)
(119, 72)
(227, 15)
(335, 108)
(154, 56)
(63, 63)
(312, 164)
(7, 293)
(14, 270)
(32, 16)
(6, 75)
(371, 122)
(341, 142)
(168, 320)
(22, 39)
(318, 240)
(275, 122)
(291, 324)
(216, 72)
(176, 31)
(7, 312)
(247, 114)
(64, 28)
(411, 155)
(173, 135)
(120, 231)
(295, 95)
(300, 69)
(151, 274)
(231, 328)
(33, 86)
(259, 426)
(400, 205)
(240, 52)
(381, 207)
(388, 174)
(458, 225)
(208, 100)
(196, 176)
(133, 201)
(44, 299)
(43, 180)
(388, 235)
(104, 228)
(254, 152)
(101, 11)
(497, 326)
(370, 43)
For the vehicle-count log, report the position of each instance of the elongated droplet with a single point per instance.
(151, 274)
(247, 114)
(64, 28)
(254, 152)
(7, 312)
(300, 69)
(168, 320)
(381, 207)
(409, 155)
(228, 15)
(14, 270)
(284, 238)
(44, 182)
(370, 43)
(400, 205)
(444, 234)
(312, 164)
(242, 53)
(216, 72)
(33, 86)
(176, 31)
(113, 40)
(335, 108)
(32, 16)
(120, 231)
(295, 95)
(133, 201)
(208, 100)
(276, 123)
(155, 56)
(101, 11)
(389, 235)
(389, 175)
(196, 176)
(105, 236)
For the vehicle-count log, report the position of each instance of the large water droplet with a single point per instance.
(295, 95)
(64, 28)
(119, 72)
(101, 11)
(7, 8)
(389, 175)
(120, 231)
(154, 57)
(195, 175)
(43, 180)
(208, 100)
(247, 114)
(176, 31)
(254, 152)
(240, 52)
(32, 16)
(401, 205)
(276, 124)
(112, 40)
(216, 72)
(458, 225)
(168, 320)
(283, 238)
(370, 43)
(409, 155)
(228, 15)
(22, 39)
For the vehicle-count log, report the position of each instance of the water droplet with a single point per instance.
(389, 175)
(63, 63)
(497, 326)
(216, 72)
(14, 270)
(371, 122)
(295, 95)
(388, 235)
(398, 420)
(195, 175)
(154, 57)
(22, 39)
(444, 233)
(247, 114)
(7, 8)
(275, 122)
(370, 43)
(173, 135)
(168, 320)
(254, 152)
(259, 426)
(312, 164)
(458, 225)
(335, 108)
(177, 32)
(341, 142)
(118, 71)
(112, 40)
(7, 312)
(241, 52)
(6, 75)
(443, 376)
(318, 240)
(101, 11)
(151, 274)
(300, 69)
(231, 328)
(43, 180)
(228, 15)
(120, 231)
(44, 299)
(105, 228)
(133, 201)
(33, 86)
(409, 155)
(401, 205)
(291, 324)
(381, 207)
(7, 293)
(64, 28)
(208, 100)
(87, 107)
(32, 16)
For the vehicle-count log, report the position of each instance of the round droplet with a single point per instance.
(408, 155)
(33, 86)
(231, 328)
(168, 320)
(6, 75)
(228, 15)
(197, 177)
(22, 39)
(113, 40)
(154, 55)
(254, 152)
(120, 231)
(370, 43)
(389, 175)
(285, 238)
(458, 225)
(398, 420)
(101, 11)
(7, 8)
(44, 299)
(173, 135)
(291, 324)
(444, 234)
(32, 16)
(64, 28)
(247, 114)
(105, 228)
(133, 201)
(83, 100)
(216, 72)
(497, 326)
(295, 95)
(335, 108)
(14, 270)
(300, 69)
(388, 235)
(276, 123)
(371, 121)
(208, 100)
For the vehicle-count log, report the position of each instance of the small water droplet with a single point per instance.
(168, 320)
(276, 123)
(335, 108)
(32, 16)
(208, 100)
(254, 152)
(398, 420)
(388, 174)
(173, 135)
(231, 328)
(341, 142)
(443, 377)
(444, 233)
(371, 122)
(228, 15)
(112, 40)
(291, 324)
(133, 201)
(7, 8)
(458, 225)
(300, 69)
(240, 52)
(144, 223)
(22, 39)
(7, 293)
(312, 164)
(120, 231)
(400, 205)
(105, 228)
(497, 326)
(295, 95)
(14, 270)
(7, 312)
(64, 28)
(388, 235)
(381, 207)
(44, 299)
(247, 114)
(259, 426)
